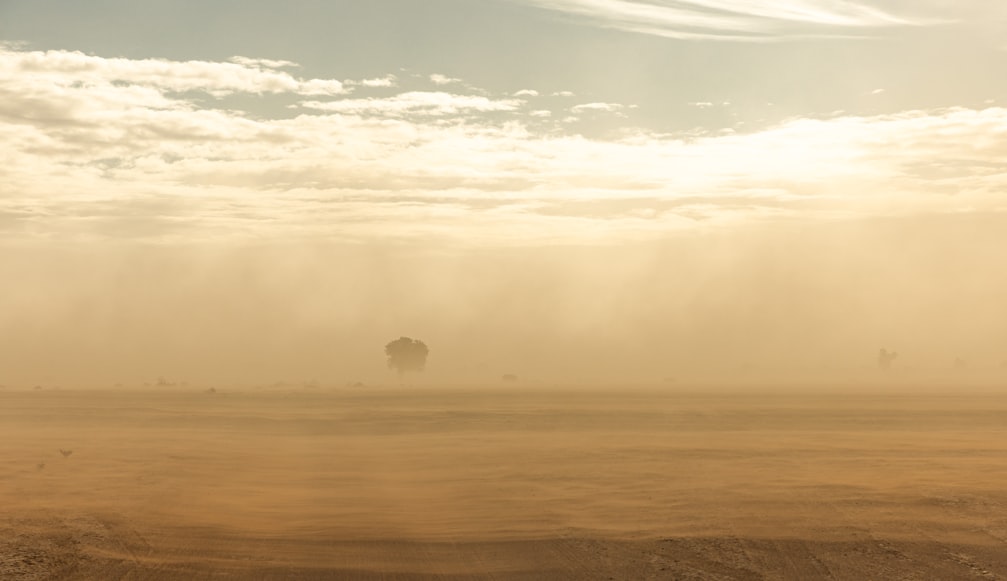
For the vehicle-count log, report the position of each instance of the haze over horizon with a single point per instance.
(567, 190)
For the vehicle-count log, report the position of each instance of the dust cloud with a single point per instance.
(718, 405)
(786, 302)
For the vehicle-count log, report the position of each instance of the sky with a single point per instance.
(566, 190)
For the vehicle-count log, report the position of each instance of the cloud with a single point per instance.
(597, 107)
(439, 79)
(416, 103)
(386, 81)
(738, 20)
(216, 78)
(122, 155)
(605, 107)
(263, 63)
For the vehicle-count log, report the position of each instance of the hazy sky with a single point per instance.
(246, 190)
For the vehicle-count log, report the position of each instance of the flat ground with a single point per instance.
(493, 483)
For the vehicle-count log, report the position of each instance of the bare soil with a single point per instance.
(495, 483)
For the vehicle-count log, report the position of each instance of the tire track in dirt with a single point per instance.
(38, 548)
(695, 559)
(956, 508)
(109, 548)
(876, 556)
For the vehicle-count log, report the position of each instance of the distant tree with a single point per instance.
(405, 354)
(885, 359)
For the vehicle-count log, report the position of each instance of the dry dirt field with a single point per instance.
(493, 483)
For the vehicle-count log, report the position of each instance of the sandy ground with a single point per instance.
(494, 483)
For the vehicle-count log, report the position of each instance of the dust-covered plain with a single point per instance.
(502, 483)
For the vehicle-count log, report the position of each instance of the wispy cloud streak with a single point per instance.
(738, 20)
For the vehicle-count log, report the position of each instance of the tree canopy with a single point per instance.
(405, 354)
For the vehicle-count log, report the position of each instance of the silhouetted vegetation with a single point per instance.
(885, 359)
(405, 354)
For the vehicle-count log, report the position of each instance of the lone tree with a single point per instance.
(405, 354)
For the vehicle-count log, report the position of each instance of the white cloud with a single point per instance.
(216, 78)
(121, 156)
(439, 79)
(598, 107)
(263, 63)
(526, 93)
(750, 20)
(416, 103)
(386, 81)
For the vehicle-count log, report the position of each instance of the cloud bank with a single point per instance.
(99, 148)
